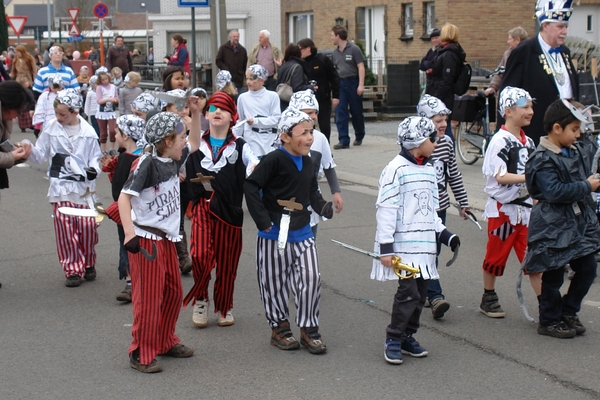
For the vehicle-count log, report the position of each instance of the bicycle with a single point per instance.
(473, 130)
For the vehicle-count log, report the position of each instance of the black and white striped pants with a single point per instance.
(296, 269)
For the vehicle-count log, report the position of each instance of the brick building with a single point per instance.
(397, 31)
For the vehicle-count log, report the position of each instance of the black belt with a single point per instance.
(521, 202)
(152, 230)
(265, 130)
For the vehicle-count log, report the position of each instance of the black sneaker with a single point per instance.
(73, 281)
(134, 362)
(556, 329)
(357, 142)
(573, 322)
(90, 274)
(340, 146)
(490, 306)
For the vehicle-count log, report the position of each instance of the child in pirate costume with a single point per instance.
(149, 211)
(260, 109)
(320, 152)
(130, 129)
(509, 206)
(287, 259)
(44, 108)
(446, 172)
(408, 227)
(216, 240)
(71, 145)
(564, 228)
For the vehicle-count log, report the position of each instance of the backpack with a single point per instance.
(462, 82)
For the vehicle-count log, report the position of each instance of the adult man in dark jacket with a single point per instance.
(427, 61)
(320, 68)
(118, 56)
(232, 57)
(542, 65)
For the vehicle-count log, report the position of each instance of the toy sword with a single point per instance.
(469, 215)
(95, 210)
(204, 180)
(397, 263)
(284, 225)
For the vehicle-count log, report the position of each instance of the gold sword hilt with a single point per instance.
(399, 266)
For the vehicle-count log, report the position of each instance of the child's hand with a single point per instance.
(386, 261)
(338, 202)
(327, 210)
(594, 180)
(105, 160)
(463, 212)
(196, 104)
(181, 177)
(250, 121)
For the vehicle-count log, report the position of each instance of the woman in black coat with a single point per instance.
(446, 68)
(293, 71)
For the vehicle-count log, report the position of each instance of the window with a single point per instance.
(590, 23)
(429, 17)
(408, 19)
(301, 26)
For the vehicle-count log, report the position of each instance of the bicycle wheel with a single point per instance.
(467, 142)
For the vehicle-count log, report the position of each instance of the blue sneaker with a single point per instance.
(392, 352)
(411, 347)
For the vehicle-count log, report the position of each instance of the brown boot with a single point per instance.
(311, 339)
(281, 337)
(185, 263)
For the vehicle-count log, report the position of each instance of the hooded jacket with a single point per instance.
(445, 71)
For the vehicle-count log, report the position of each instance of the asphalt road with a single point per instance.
(71, 343)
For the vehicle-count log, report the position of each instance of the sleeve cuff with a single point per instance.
(386, 249)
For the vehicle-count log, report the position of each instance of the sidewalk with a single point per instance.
(363, 165)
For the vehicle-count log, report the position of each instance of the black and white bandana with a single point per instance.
(430, 106)
(413, 131)
(304, 100)
(132, 126)
(290, 118)
(222, 79)
(144, 102)
(161, 125)
(55, 79)
(71, 98)
(259, 71)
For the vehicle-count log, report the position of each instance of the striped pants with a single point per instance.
(156, 298)
(76, 238)
(296, 269)
(213, 243)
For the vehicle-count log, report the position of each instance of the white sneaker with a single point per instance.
(200, 315)
(228, 320)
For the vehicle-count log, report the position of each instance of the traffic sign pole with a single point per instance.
(101, 11)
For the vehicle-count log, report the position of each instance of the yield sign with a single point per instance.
(74, 31)
(73, 12)
(17, 23)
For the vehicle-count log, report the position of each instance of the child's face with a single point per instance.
(440, 124)
(567, 136)
(104, 79)
(64, 116)
(298, 144)
(117, 74)
(121, 139)
(185, 112)
(426, 148)
(55, 88)
(83, 73)
(253, 82)
(171, 108)
(218, 118)
(175, 147)
(520, 116)
(177, 80)
(312, 114)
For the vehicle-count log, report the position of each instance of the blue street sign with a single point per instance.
(192, 3)
(71, 39)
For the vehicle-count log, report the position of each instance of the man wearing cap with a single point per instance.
(542, 65)
(427, 61)
(56, 66)
(232, 56)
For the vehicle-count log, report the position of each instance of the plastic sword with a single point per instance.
(284, 225)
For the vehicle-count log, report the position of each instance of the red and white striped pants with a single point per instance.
(213, 243)
(156, 298)
(76, 238)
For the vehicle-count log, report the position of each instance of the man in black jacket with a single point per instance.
(542, 65)
(321, 69)
(427, 61)
(232, 57)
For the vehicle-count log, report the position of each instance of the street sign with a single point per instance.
(73, 13)
(74, 31)
(72, 39)
(17, 23)
(192, 3)
(101, 10)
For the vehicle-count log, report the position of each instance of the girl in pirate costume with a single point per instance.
(287, 259)
(509, 206)
(216, 241)
(149, 211)
(408, 227)
(71, 145)
(446, 173)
